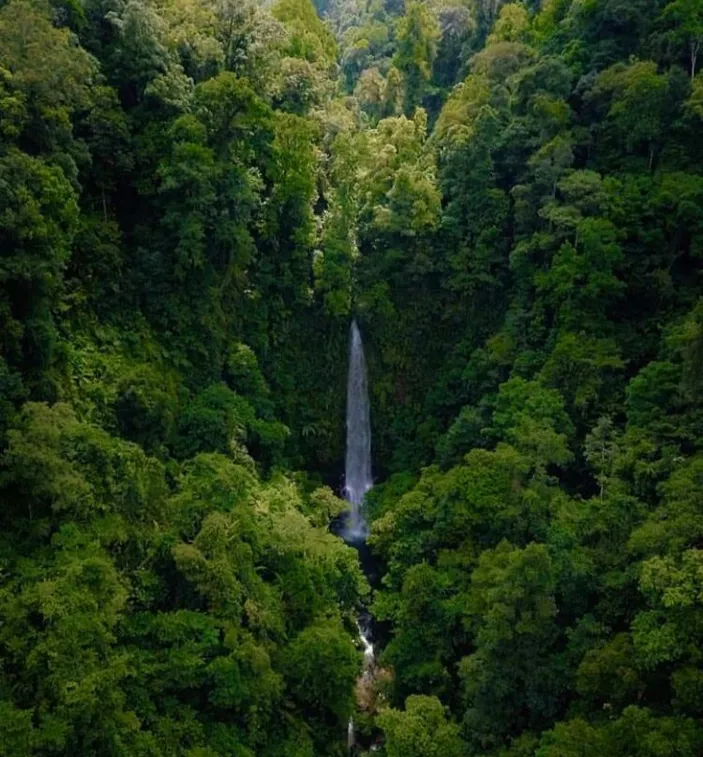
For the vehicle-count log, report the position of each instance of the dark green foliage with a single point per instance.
(195, 197)
(158, 594)
(165, 619)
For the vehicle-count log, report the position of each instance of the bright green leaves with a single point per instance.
(670, 632)
(425, 619)
(397, 181)
(45, 81)
(157, 597)
(533, 419)
(583, 369)
(538, 329)
(141, 61)
(581, 278)
(216, 421)
(16, 725)
(53, 74)
(334, 262)
(476, 503)
(511, 597)
(190, 173)
(413, 206)
(417, 39)
(309, 37)
(321, 664)
(581, 281)
(676, 523)
(461, 110)
(13, 107)
(290, 231)
(310, 53)
(511, 24)
(245, 681)
(209, 482)
(399, 208)
(211, 195)
(514, 255)
(685, 21)
(432, 539)
(235, 117)
(38, 220)
(131, 609)
(209, 184)
(642, 103)
(61, 615)
(55, 464)
(638, 731)
(675, 590)
(421, 730)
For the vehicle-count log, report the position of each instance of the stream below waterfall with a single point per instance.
(363, 624)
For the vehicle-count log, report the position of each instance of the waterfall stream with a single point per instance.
(357, 482)
(364, 626)
(357, 469)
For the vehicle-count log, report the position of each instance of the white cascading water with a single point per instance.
(357, 469)
(366, 677)
(357, 478)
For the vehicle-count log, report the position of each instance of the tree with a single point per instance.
(421, 730)
(639, 105)
(583, 369)
(534, 420)
(322, 664)
(417, 37)
(511, 24)
(37, 225)
(638, 729)
(53, 74)
(599, 450)
(510, 681)
(687, 18)
(309, 38)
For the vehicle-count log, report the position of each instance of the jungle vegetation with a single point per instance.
(196, 196)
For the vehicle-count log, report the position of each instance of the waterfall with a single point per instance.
(358, 481)
(357, 472)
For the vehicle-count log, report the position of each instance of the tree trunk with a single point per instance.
(695, 45)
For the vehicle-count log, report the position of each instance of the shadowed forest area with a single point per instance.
(196, 198)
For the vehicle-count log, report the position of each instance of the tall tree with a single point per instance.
(418, 33)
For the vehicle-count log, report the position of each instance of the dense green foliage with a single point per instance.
(529, 275)
(166, 587)
(195, 198)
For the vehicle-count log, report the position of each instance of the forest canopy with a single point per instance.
(196, 198)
